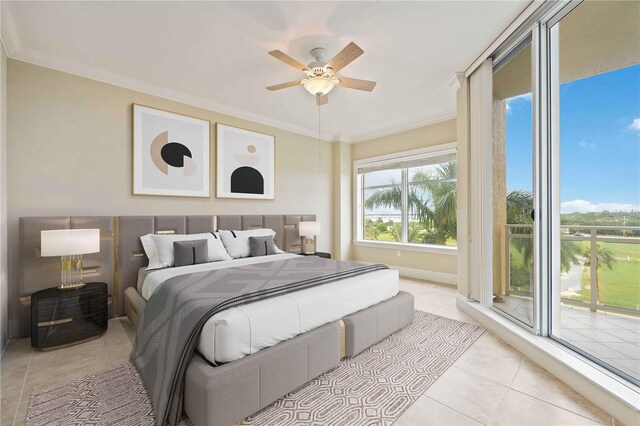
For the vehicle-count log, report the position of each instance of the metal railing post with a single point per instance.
(507, 259)
(594, 270)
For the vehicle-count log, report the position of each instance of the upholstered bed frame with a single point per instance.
(121, 253)
(228, 393)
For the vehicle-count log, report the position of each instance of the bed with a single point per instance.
(244, 330)
(248, 356)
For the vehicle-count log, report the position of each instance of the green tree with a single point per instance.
(432, 200)
(519, 207)
(604, 257)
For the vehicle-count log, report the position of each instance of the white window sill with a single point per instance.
(424, 248)
(613, 394)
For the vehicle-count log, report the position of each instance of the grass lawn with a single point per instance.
(520, 272)
(620, 285)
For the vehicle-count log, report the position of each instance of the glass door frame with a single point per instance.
(551, 188)
(546, 209)
(528, 35)
(546, 171)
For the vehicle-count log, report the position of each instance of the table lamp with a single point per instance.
(309, 230)
(70, 244)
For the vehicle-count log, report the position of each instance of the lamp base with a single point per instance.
(67, 287)
(309, 246)
(71, 273)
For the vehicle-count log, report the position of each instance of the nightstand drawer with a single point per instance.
(61, 318)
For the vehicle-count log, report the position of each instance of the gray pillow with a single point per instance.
(262, 246)
(190, 252)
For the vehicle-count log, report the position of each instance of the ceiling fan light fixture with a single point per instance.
(319, 86)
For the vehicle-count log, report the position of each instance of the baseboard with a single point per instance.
(590, 380)
(423, 274)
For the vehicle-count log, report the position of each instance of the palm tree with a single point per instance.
(604, 257)
(441, 190)
(519, 206)
(413, 233)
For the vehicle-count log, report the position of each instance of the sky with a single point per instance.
(599, 142)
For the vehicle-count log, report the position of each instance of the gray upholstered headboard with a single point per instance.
(121, 253)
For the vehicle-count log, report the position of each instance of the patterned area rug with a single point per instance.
(372, 388)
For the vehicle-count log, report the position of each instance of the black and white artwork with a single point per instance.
(171, 153)
(245, 164)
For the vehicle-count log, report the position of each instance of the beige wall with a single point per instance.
(3, 202)
(342, 204)
(435, 266)
(69, 140)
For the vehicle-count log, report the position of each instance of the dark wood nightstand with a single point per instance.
(319, 254)
(65, 317)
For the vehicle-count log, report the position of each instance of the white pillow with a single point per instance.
(237, 242)
(159, 248)
(150, 250)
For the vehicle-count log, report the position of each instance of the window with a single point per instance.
(408, 198)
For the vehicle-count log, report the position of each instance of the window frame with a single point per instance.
(358, 199)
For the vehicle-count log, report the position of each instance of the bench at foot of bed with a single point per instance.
(226, 394)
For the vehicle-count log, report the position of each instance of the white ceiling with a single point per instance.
(214, 54)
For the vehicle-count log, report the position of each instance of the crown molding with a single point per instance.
(456, 81)
(75, 68)
(403, 127)
(8, 31)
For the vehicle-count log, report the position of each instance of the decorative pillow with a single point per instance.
(190, 252)
(262, 246)
(159, 248)
(237, 242)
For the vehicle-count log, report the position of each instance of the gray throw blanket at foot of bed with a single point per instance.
(171, 323)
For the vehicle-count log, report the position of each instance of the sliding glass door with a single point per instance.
(512, 183)
(594, 82)
(565, 184)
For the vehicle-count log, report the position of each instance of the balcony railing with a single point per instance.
(619, 285)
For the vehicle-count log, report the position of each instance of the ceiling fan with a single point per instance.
(321, 78)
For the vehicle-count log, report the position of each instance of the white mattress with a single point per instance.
(244, 330)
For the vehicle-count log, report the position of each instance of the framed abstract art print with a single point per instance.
(171, 154)
(245, 164)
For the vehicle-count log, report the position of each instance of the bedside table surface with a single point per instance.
(54, 292)
(319, 254)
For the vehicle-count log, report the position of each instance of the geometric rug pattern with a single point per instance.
(372, 388)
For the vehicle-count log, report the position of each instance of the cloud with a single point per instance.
(525, 97)
(587, 145)
(583, 206)
(635, 124)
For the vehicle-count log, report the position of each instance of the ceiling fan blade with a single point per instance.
(354, 83)
(322, 100)
(345, 57)
(284, 85)
(288, 60)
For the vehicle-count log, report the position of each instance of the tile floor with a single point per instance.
(613, 338)
(491, 383)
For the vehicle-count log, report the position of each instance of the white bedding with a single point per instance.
(241, 331)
